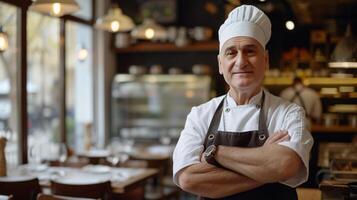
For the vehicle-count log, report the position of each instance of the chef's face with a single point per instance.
(242, 62)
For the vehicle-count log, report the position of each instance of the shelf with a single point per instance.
(323, 81)
(169, 47)
(333, 129)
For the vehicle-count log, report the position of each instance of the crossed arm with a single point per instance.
(245, 169)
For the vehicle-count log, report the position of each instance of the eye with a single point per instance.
(250, 52)
(230, 53)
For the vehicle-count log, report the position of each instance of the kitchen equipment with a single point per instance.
(200, 33)
(352, 120)
(201, 69)
(182, 39)
(122, 40)
(330, 119)
(137, 69)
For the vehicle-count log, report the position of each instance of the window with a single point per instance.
(79, 85)
(43, 47)
(86, 9)
(43, 67)
(9, 64)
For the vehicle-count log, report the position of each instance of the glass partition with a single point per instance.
(153, 108)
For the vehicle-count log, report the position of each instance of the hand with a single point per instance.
(277, 137)
(203, 160)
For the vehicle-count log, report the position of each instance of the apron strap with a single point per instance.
(262, 130)
(213, 127)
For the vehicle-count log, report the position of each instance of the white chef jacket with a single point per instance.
(280, 115)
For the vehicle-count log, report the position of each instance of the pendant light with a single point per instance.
(4, 41)
(345, 53)
(149, 30)
(115, 21)
(55, 8)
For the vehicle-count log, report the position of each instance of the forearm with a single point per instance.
(270, 163)
(209, 181)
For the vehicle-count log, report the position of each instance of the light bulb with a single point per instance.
(114, 25)
(82, 54)
(4, 43)
(290, 25)
(56, 9)
(149, 33)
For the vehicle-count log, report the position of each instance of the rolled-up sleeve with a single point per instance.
(300, 141)
(189, 147)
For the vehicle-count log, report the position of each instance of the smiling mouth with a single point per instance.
(247, 72)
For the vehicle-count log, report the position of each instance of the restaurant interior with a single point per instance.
(95, 93)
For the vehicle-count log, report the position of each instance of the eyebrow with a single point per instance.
(248, 46)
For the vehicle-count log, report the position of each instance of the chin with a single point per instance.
(244, 84)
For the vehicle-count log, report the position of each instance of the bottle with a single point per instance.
(2, 157)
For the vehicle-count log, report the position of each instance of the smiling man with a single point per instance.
(247, 144)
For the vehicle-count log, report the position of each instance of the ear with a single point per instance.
(266, 57)
(219, 64)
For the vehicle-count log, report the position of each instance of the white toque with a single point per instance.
(245, 20)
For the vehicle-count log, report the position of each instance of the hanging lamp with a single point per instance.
(149, 30)
(345, 53)
(115, 21)
(4, 40)
(55, 8)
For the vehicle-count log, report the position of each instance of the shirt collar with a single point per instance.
(253, 100)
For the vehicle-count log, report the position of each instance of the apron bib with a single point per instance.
(270, 191)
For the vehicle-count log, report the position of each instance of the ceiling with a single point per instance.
(318, 11)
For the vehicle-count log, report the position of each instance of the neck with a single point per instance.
(243, 97)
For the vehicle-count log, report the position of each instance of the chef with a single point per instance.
(247, 144)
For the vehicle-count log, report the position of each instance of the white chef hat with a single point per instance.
(245, 20)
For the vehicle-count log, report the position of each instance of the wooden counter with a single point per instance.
(334, 190)
(333, 129)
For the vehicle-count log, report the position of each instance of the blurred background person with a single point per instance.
(306, 97)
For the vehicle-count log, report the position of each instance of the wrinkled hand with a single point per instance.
(203, 160)
(277, 137)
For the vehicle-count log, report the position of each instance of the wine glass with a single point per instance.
(165, 140)
(113, 159)
(62, 153)
(35, 157)
(114, 148)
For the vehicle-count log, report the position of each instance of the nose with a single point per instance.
(241, 60)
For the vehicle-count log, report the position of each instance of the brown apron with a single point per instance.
(270, 191)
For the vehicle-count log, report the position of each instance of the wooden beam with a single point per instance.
(62, 93)
(22, 82)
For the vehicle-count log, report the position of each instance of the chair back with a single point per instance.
(95, 190)
(20, 189)
(59, 197)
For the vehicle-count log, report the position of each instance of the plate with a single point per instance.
(96, 153)
(161, 150)
(16, 178)
(98, 169)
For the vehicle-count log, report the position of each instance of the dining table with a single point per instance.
(121, 178)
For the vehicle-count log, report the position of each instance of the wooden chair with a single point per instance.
(156, 189)
(96, 190)
(59, 197)
(20, 189)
